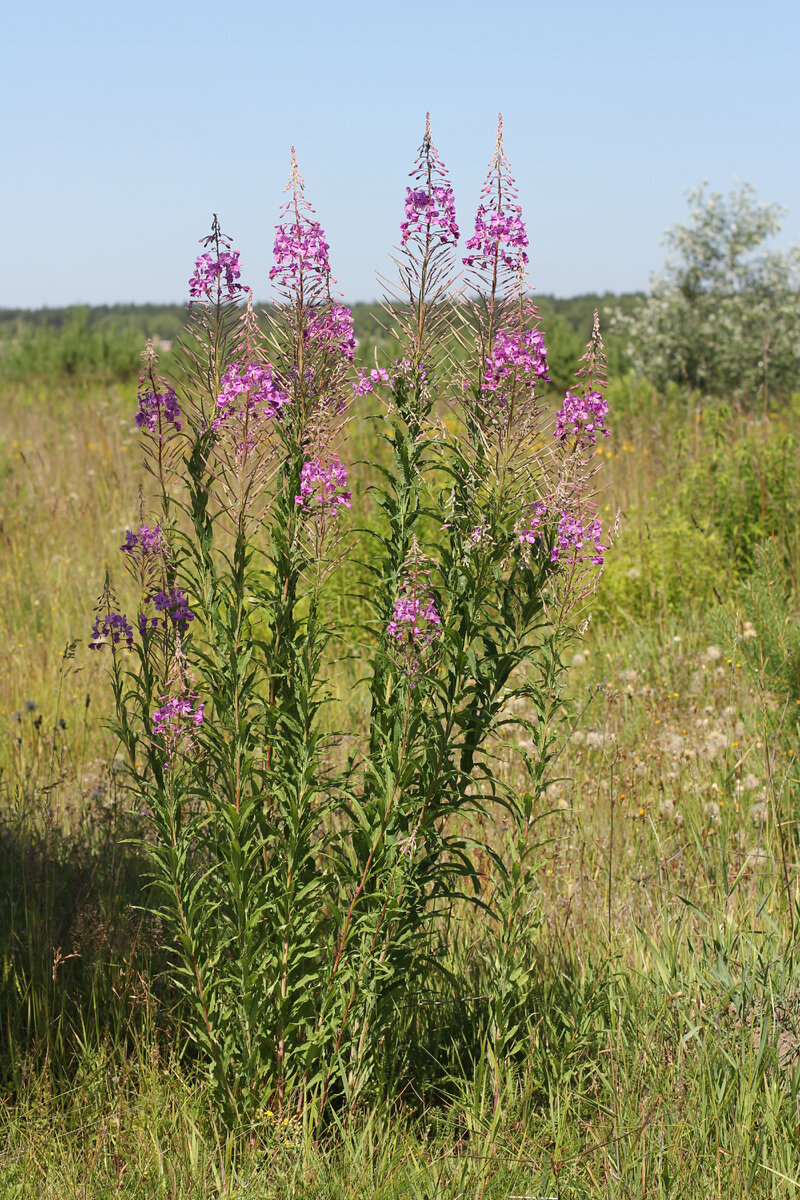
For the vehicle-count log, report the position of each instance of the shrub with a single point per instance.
(723, 318)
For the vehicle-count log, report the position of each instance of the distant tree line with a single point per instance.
(105, 341)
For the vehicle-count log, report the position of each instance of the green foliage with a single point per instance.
(664, 564)
(767, 601)
(724, 316)
(727, 484)
(76, 348)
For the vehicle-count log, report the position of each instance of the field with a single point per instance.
(650, 1035)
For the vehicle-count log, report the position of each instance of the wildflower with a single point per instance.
(535, 528)
(156, 407)
(430, 207)
(300, 249)
(582, 417)
(322, 486)
(332, 327)
(415, 622)
(174, 605)
(367, 381)
(251, 390)
(572, 534)
(515, 358)
(500, 238)
(479, 533)
(173, 721)
(146, 623)
(430, 213)
(144, 543)
(209, 272)
(31, 706)
(492, 230)
(111, 625)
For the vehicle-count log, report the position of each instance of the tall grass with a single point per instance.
(648, 1039)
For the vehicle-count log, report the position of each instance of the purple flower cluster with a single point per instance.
(582, 417)
(516, 357)
(415, 622)
(175, 605)
(430, 213)
(210, 274)
(368, 380)
(176, 710)
(535, 529)
(576, 540)
(251, 390)
(572, 535)
(171, 721)
(333, 327)
(300, 248)
(323, 486)
(144, 543)
(500, 238)
(111, 625)
(155, 408)
(414, 619)
(430, 207)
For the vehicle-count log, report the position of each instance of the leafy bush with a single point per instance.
(723, 318)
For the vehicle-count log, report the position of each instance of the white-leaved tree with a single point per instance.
(724, 317)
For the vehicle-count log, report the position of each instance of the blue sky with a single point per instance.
(126, 127)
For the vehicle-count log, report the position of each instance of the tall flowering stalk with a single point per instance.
(304, 900)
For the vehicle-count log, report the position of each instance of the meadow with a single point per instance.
(656, 1012)
(613, 1010)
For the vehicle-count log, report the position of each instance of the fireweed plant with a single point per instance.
(309, 902)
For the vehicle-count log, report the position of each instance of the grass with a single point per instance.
(641, 1035)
